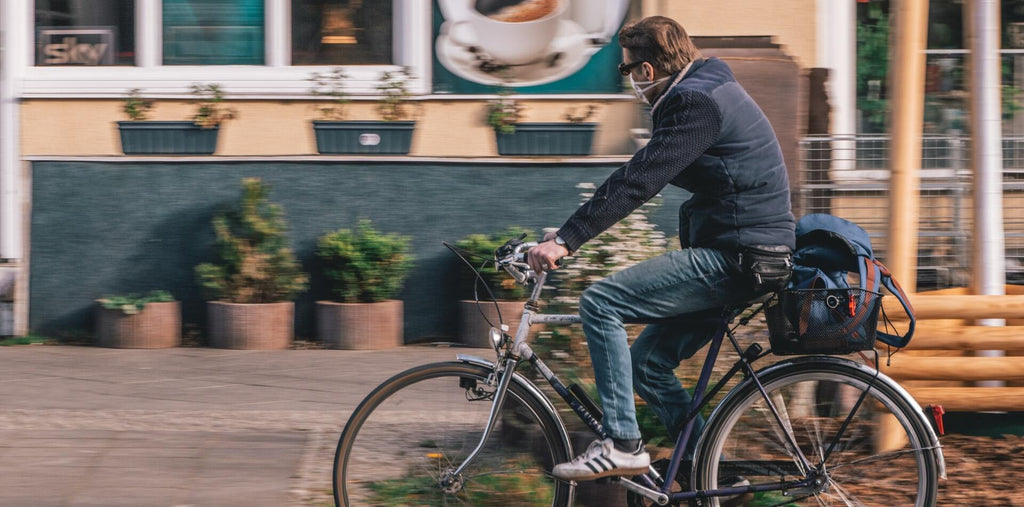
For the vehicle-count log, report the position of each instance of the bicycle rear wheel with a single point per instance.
(421, 424)
(884, 456)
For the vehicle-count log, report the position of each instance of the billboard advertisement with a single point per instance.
(535, 46)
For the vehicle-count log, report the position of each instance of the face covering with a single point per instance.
(641, 87)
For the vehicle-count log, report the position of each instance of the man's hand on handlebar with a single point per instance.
(545, 256)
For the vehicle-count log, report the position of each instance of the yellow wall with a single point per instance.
(446, 128)
(791, 22)
(454, 128)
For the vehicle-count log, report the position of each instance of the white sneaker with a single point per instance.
(602, 459)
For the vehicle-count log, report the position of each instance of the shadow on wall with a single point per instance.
(100, 228)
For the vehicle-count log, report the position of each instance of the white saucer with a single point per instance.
(570, 41)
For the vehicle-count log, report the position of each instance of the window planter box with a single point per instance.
(548, 139)
(362, 137)
(167, 138)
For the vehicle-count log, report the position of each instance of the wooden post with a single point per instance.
(908, 64)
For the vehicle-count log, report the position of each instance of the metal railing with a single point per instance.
(849, 177)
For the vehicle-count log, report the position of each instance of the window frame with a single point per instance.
(276, 78)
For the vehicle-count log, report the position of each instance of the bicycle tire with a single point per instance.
(419, 423)
(814, 395)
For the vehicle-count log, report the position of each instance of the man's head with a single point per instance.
(660, 43)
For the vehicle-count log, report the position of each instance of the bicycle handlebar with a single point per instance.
(512, 257)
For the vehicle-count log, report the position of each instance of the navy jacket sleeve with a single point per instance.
(688, 124)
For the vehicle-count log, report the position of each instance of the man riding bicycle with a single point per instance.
(711, 139)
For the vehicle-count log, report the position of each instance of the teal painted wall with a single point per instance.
(110, 228)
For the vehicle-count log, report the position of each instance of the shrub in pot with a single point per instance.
(255, 278)
(365, 271)
(141, 321)
(509, 296)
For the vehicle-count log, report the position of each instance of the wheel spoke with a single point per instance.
(423, 424)
(812, 409)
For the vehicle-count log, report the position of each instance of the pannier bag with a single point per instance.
(819, 312)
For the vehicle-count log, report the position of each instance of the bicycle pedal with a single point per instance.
(607, 480)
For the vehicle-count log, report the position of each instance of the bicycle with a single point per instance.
(802, 431)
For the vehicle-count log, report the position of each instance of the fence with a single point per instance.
(849, 177)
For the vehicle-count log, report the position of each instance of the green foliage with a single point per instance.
(632, 240)
(504, 112)
(331, 86)
(585, 115)
(394, 90)
(210, 108)
(1010, 103)
(254, 263)
(873, 68)
(132, 304)
(483, 246)
(364, 266)
(135, 106)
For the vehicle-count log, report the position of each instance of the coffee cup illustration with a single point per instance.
(512, 32)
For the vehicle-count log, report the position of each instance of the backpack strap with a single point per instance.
(858, 309)
(894, 287)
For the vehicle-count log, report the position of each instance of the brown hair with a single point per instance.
(659, 41)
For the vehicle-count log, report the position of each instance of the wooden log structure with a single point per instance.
(937, 367)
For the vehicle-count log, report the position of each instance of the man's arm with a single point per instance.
(691, 126)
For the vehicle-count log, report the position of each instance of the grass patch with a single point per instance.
(520, 482)
(26, 340)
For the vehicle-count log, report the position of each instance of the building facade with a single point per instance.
(77, 214)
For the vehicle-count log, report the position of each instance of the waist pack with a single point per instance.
(767, 267)
(828, 250)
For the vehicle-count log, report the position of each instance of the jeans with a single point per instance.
(680, 282)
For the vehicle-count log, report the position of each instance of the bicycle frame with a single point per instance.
(520, 350)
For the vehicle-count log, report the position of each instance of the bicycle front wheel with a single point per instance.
(404, 440)
(884, 455)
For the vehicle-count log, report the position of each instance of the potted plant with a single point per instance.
(509, 296)
(141, 321)
(252, 284)
(573, 137)
(365, 271)
(197, 136)
(391, 135)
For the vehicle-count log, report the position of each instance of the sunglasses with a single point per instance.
(626, 68)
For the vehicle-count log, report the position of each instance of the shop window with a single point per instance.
(213, 32)
(341, 32)
(85, 32)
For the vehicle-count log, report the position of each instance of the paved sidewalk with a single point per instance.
(184, 426)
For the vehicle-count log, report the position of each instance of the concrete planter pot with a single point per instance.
(167, 138)
(474, 331)
(250, 326)
(561, 139)
(157, 326)
(364, 137)
(360, 326)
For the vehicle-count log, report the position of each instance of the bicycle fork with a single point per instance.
(450, 480)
